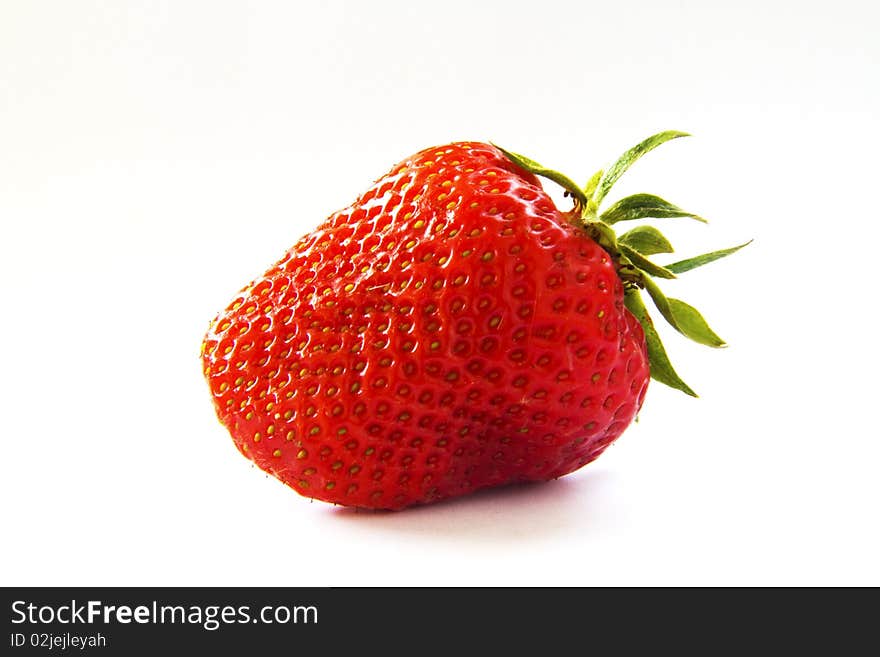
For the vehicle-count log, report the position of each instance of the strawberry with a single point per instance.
(451, 330)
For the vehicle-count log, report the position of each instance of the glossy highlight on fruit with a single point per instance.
(451, 330)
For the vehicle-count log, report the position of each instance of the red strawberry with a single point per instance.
(449, 331)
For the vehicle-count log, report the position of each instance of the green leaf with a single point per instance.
(539, 170)
(647, 240)
(661, 368)
(643, 206)
(643, 263)
(592, 183)
(627, 159)
(698, 261)
(686, 319)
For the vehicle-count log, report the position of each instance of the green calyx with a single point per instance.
(630, 250)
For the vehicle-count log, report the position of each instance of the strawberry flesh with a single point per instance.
(451, 330)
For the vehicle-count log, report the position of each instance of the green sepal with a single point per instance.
(698, 261)
(647, 240)
(602, 234)
(539, 170)
(683, 317)
(641, 262)
(592, 183)
(627, 159)
(661, 368)
(644, 206)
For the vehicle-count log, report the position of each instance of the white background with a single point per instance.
(156, 156)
